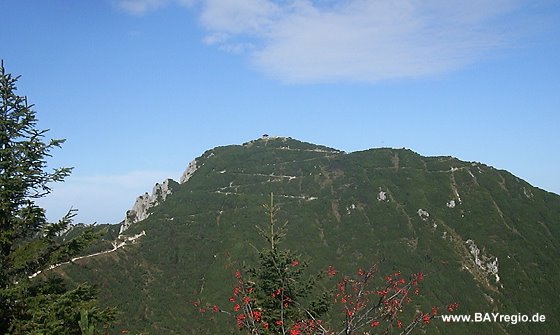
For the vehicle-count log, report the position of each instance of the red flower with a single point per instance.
(452, 307)
(278, 322)
(295, 262)
(236, 307)
(277, 292)
(374, 323)
(239, 320)
(341, 286)
(381, 293)
(399, 324)
(331, 271)
(257, 315)
(245, 300)
(265, 325)
(426, 318)
(215, 308)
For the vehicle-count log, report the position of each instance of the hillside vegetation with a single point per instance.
(483, 237)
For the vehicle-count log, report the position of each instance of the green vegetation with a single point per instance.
(275, 296)
(31, 304)
(348, 210)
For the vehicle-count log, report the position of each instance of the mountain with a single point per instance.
(483, 237)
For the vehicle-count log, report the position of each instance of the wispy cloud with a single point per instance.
(141, 7)
(354, 40)
(101, 198)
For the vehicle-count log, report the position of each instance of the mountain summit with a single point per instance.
(484, 238)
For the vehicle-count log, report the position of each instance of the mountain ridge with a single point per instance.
(145, 202)
(470, 227)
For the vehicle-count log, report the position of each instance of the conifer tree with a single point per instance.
(275, 296)
(31, 304)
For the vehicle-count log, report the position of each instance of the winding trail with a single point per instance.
(116, 246)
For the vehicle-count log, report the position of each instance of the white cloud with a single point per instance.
(101, 198)
(352, 40)
(139, 7)
(357, 40)
(239, 16)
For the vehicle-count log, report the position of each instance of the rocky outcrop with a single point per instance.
(382, 196)
(188, 172)
(486, 263)
(144, 203)
(424, 215)
(141, 208)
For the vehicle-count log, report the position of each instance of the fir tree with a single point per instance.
(33, 304)
(275, 296)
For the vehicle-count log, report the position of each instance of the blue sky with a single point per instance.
(141, 87)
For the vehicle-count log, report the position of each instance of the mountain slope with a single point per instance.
(484, 238)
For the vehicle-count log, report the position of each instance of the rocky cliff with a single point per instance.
(146, 202)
